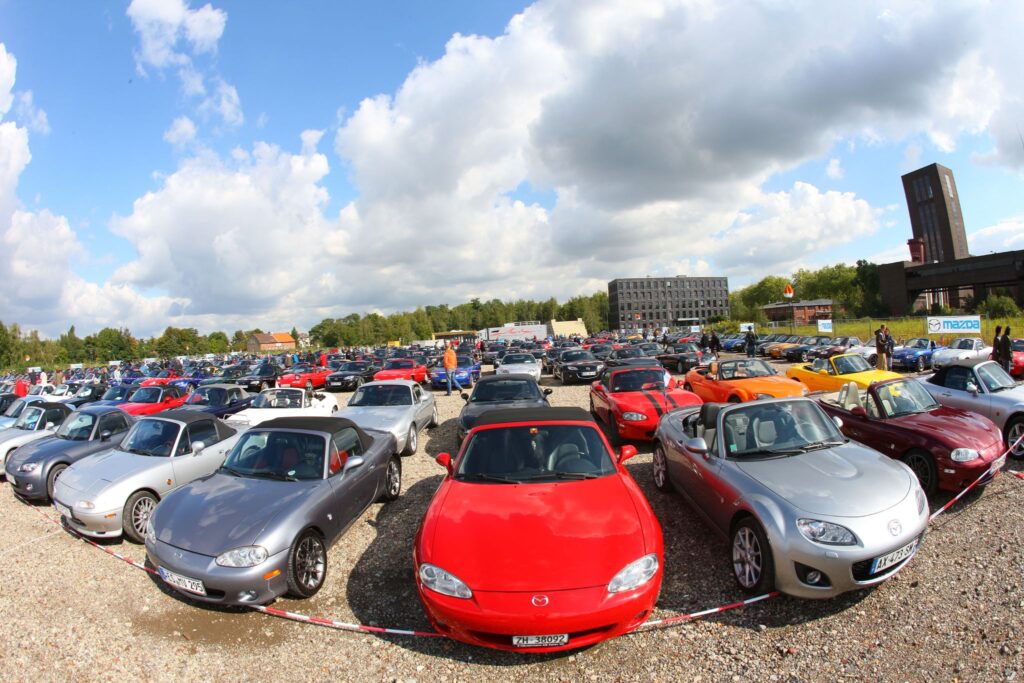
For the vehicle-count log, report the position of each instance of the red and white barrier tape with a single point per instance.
(341, 625)
(671, 621)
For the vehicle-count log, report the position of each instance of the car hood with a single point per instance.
(777, 385)
(953, 427)
(16, 434)
(943, 354)
(909, 353)
(50, 447)
(525, 368)
(394, 374)
(528, 537)
(378, 417)
(641, 402)
(217, 513)
(106, 467)
(844, 481)
(341, 374)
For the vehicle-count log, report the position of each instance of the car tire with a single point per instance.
(412, 441)
(752, 563)
(920, 364)
(51, 478)
(680, 368)
(803, 357)
(136, 514)
(924, 469)
(392, 480)
(433, 417)
(873, 359)
(613, 428)
(307, 565)
(1014, 431)
(735, 399)
(659, 465)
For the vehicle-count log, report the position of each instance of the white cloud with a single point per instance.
(31, 117)
(225, 102)
(8, 67)
(834, 170)
(181, 132)
(1007, 235)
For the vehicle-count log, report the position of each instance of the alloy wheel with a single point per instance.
(660, 467)
(747, 558)
(310, 562)
(394, 478)
(1015, 432)
(141, 512)
(922, 470)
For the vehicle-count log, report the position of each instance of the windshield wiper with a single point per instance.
(274, 475)
(563, 475)
(230, 471)
(488, 477)
(816, 445)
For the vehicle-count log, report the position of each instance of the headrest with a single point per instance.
(709, 415)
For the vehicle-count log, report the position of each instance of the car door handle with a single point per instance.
(947, 395)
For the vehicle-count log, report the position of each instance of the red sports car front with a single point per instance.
(538, 539)
(406, 369)
(632, 400)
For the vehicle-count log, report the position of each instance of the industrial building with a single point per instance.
(656, 302)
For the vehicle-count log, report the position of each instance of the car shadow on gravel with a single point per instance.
(381, 588)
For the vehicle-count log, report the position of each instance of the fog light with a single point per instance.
(813, 576)
(28, 487)
(247, 596)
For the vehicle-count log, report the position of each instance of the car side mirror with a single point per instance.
(839, 421)
(972, 388)
(856, 411)
(626, 452)
(822, 372)
(445, 461)
(197, 447)
(353, 462)
(465, 396)
(698, 446)
(50, 425)
(548, 392)
(105, 435)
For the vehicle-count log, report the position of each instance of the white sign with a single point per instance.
(954, 324)
(825, 326)
(35, 368)
(746, 327)
(113, 363)
(75, 366)
(694, 328)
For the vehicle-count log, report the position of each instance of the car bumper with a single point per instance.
(95, 524)
(847, 568)
(347, 384)
(587, 615)
(956, 476)
(637, 431)
(27, 485)
(223, 585)
(569, 376)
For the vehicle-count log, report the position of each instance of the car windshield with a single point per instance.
(572, 356)
(382, 395)
(906, 397)
(116, 393)
(777, 428)
(152, 437)
(165, 373)
(84, 392)
(14, 410)
(61, 390)
(685, 348)
(849, 364)
(208, 396)
(963, 344)
(299, 369)
(466, 361)
(400, 364)
(527, 454)
(600, 348)
(505, 390)
(1017, 345)
(917, 343)
(994, 378)
(146, 395)
(36, 390)
(353, 366)
(78, 427)
(744, 369)
(264, 370)
(29, 419)
(272, 454)
(278, 398)
(629, 352)
(635, 380)
(514, 358)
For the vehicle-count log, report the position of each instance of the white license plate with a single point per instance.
(63, 510)
(586, 374)
(540, 641)
(183, 582)
(895, 557)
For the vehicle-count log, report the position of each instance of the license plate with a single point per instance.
(540, 641)
(183, 582)
(586, 374)
(895, 557)
(63, 510)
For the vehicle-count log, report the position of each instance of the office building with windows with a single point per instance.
(935, 216)
(655, 302)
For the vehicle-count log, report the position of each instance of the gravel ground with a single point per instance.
(68, 611)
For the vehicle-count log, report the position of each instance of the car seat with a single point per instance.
(289, 459)
(851, 398)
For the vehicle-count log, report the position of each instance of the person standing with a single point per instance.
(1005, 350)
(751, 342)
(890, 346)
(881, 346)
(996, 343)
(20, 388)
(715, 343)
(450, 362)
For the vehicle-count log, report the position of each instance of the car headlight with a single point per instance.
(760, 396)
(28, 467)
(86, 504)
(634, 417)
(150, 531)
(246, 556)
(634, 574)
(825, 532)
(963, 454)
(440, 581)
(922, 502)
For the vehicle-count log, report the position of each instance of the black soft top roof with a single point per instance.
(330, 425)
(47, 405)
(504, 415)
(518, 376)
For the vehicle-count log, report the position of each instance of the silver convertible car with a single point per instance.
(261, 525)
(115, 491)
(807, 511)
(984, 388)
(398, 406)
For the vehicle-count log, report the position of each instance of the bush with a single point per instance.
(999, 307)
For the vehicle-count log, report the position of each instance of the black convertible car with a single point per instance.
(350, 375)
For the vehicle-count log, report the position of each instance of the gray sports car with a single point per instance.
(260, 526)
(115, 491)
(33, 469)
(807, 511)
(13, 411)
(398, 406)
(983, 388)
(500, 391)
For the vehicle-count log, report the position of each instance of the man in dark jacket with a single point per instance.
(996, 343)
(881, 347)
(751, 341)
(1005, 350)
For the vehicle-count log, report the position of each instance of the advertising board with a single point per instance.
(954, 324)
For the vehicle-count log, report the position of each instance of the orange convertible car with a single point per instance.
(740, 380)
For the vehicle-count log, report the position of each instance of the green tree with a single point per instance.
(217, 342)
(999, 306)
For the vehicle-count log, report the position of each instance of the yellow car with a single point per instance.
(830, 374)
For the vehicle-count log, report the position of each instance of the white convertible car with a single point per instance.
(37, 421)
(963, 350)
(284, 402)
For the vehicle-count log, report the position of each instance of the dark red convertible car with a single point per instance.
(947, 448)
(538, 538)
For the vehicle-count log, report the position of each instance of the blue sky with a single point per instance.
(236, 164)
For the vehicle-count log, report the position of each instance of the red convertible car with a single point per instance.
(402, 368)
(631, 400)
(538, 538)
(162, 378)
(947, 448)
(154, 399)
(305, 377)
